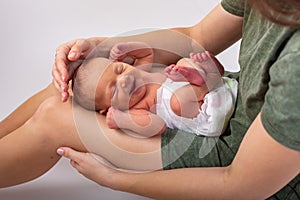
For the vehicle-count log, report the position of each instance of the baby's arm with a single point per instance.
(139, 121)
(138, 54)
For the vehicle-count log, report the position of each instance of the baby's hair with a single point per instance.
(85, 83)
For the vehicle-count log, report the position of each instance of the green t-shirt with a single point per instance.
(270, 74)
(269, 81)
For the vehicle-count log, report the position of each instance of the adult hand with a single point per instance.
(67, 59)
(90, 165)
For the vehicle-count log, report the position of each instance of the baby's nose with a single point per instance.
(124, 80)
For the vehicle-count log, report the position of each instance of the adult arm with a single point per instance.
(261, 167)
(217, 31)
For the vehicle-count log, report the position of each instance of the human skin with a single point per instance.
(129, 95)
(29, 150)
(36, 120)
(25, 137)
(275, 165)
(126, 93)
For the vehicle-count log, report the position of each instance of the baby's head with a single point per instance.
(85, 82)
(100, 84)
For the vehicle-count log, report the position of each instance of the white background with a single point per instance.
(29, 34)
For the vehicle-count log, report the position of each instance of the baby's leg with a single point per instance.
(19, 116)
(187, 101)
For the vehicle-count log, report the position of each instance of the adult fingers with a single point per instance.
(61, 86)
(64, 67)
(60, 64)
(57, 79)
(78, 48)
(71, 154)
(65, 54)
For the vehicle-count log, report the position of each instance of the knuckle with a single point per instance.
(67, 153)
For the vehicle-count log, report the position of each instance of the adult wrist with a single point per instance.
(121, 181)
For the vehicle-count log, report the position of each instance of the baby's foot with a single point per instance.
(208, 62)
(213, 69)
(173, 73)
(183, 73)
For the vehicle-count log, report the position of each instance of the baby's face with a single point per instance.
(121, 85)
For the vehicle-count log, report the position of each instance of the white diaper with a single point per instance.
(213, 116)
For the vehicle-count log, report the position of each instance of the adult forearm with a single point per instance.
(168, 45)
(237, 181)
(192, 183)
(217, 31)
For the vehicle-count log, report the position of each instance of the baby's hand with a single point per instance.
(129, 51)
(120, 53)
(138, 54)
(111, 115)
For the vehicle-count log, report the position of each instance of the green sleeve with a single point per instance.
(281, 110)
(235, 7)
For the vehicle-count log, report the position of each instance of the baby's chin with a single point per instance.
(137, 95)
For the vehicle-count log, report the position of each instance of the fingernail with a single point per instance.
(64, 87)
(72, 54)
(63, 96)
(63, 78)
(60, 151)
